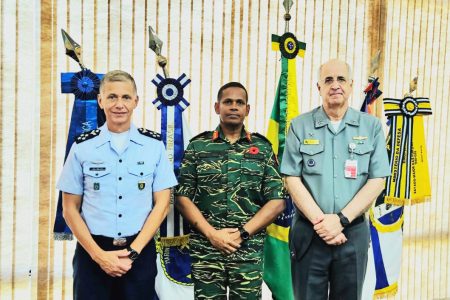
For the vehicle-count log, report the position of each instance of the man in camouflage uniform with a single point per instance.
(229, 190)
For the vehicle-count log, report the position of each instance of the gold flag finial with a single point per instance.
(287, 17)
(155, 44)
(412, 86)
(287, 5)
(73, 49)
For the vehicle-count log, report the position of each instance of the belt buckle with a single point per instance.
(120, 241)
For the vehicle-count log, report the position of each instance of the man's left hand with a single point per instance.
(236, 236)
(329, 227)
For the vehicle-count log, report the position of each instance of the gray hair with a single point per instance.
(349, 70)
(117, 76)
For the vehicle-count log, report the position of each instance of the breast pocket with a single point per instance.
(209, 169)
(362, 154)
(141, 176)
(95, 175)
(252, 171)
(312, 159)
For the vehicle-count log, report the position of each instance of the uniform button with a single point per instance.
(335, 176)
(120, 215)
(120, 178)
(119, 234)
(335, 157)
(120, 197)
(120, 160)
(142, 173)
(96, 174)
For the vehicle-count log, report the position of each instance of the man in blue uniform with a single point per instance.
(335, 162)
(116, 191)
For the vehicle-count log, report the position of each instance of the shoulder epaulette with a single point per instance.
(261, 137)
(200, 135)
(87, 136)
(150, 133)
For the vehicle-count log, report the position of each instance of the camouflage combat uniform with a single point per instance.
(229, 183)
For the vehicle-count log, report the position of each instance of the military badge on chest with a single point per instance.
(351, 165)
(141, 185)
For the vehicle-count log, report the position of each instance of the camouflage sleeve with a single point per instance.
(187, 178)
(272, 186)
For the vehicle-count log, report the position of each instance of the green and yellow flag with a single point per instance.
(277, 263)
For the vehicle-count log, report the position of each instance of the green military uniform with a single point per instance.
(318, 153)
(229, 183)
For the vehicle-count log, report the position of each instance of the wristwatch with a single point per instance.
(244, 234)
(133, 253)
(344, 220)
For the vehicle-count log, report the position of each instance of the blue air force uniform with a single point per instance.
(117, 189)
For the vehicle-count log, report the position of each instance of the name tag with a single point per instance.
(97, 169)
(351, 168)
(310, 142)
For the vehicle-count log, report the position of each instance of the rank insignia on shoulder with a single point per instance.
(87, 136)
(311, 142)
(215, 135)
(150, 133)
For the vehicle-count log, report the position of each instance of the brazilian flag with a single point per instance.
(277, 263)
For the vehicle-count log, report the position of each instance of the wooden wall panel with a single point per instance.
(213, 42)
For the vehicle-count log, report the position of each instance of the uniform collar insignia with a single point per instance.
(248, 135)
(215, 135)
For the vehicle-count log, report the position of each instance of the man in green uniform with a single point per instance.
(229, 190)
(335, 162)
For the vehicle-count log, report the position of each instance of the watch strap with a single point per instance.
(133, 253)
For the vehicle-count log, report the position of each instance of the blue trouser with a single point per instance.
(91, 282)
(321, 271)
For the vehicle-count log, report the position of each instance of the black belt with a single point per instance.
(109, 241)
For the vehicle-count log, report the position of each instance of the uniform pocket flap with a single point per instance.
(210, 155)
(139, 171)
(311, 149)
(363, 149)
(96, 170)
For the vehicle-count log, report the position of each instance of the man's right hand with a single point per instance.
(337, 240)
(114, 263)
(223, 240)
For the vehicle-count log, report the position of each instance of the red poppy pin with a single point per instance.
(253, 150)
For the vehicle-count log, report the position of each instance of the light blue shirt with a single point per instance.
(317, 153)
(117, 186)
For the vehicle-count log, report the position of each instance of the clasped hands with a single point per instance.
(329, 228)
(226, 240)
(114, 263)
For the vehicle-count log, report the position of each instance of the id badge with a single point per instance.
(351, 168)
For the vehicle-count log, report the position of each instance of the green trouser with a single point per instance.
(211, 279)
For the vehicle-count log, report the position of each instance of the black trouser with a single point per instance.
(320, 271)
(91, 282)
